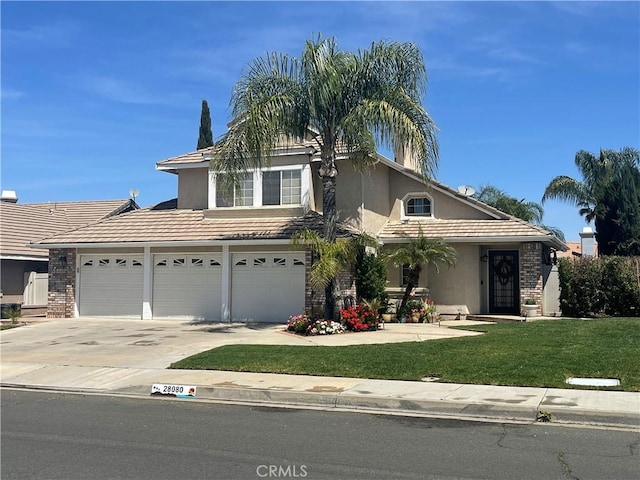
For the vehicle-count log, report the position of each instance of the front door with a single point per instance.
(504, 285)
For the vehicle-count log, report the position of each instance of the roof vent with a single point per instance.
(9, 196)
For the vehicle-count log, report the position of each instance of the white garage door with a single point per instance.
(110, 285)
(267, 287)
(187, 286)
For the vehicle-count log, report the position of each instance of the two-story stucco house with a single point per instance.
(220, 255)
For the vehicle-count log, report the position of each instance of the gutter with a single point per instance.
(549, 239)
(164, 243)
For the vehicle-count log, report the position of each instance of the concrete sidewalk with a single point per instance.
(60, 355)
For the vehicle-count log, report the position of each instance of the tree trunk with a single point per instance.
(329, 208)
(413, 282)
(328, 173)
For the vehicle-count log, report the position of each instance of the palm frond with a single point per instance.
(566, 189)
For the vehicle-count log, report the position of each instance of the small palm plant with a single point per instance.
(419, 251)
(332, 257)
(13, 312)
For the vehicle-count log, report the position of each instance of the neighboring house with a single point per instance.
(220, 255)
(587, 245)
(23, 270)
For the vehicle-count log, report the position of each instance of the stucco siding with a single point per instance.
(375, 191)
(443, 206)
(349, 195)
(193, 188)
(460, 284)
(446, 207)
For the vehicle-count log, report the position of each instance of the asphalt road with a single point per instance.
(68, 436)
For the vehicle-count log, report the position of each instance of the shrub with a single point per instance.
(359, 318)
(299, 323)
(371, 278)
(325, 327)
(592, 287)
(620, 287)
(303, 324)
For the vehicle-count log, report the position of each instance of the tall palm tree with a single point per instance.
(418, 252)
(596, 195)
(350, 100)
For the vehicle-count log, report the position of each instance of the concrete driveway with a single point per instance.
(112, 342)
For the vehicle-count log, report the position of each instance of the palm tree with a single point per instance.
(345, 99)
(531, 212)
(332, 257)
(419, 251)
(597, 195)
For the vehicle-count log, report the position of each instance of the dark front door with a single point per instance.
(504, 285)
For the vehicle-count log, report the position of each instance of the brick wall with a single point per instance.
(314, 299)
(62, 283)
(531, 273)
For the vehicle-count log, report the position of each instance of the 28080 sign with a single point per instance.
(182, 391)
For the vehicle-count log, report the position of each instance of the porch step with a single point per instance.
(34, 311)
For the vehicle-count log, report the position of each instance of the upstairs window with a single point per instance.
(240, 195)
(418, 206)
(281, 187)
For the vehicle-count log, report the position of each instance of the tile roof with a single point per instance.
(467, 230)
(199, 155)
(165, 223)
(22, 223)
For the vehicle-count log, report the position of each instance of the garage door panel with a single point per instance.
(267, 287)
(110, 285)
(187, 286)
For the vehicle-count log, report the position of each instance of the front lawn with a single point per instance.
(7, 326)
(540, 354)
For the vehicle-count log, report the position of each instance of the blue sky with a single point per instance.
(94, 94)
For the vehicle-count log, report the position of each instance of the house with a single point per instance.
(587, 245)
(24, 269)
(221, 255)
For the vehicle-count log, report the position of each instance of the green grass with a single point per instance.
(7, 326)
(541, 354)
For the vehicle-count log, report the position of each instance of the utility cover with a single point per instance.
(594, 382)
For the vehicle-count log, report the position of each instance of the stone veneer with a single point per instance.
(62, 283)
(531, 273)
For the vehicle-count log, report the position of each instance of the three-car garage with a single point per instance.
(252, 286)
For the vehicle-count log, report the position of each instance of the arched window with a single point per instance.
(418, 206)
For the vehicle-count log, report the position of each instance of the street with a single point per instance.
(70, 436)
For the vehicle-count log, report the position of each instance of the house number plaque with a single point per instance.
(180, 391)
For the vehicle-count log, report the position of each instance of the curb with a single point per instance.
(346, 402)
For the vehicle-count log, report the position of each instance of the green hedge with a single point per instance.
(603, 286)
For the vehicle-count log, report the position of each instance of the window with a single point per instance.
(281, 187)
(240, 195)
(178, 262)
(420, 206)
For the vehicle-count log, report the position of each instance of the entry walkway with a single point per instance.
(125, 357)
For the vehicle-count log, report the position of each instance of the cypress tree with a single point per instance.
(205, 139)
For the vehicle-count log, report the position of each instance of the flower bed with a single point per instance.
(304, 325)
(355, 319)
